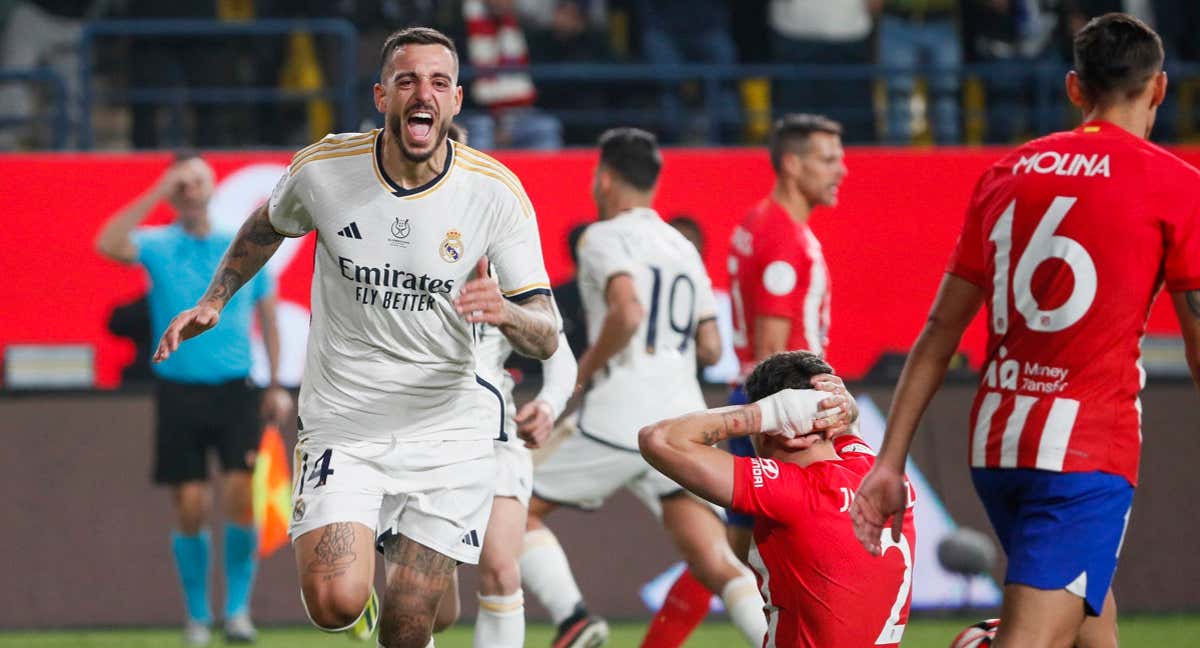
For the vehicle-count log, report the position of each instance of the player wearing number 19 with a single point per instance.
(1067, 241)
(650, 310)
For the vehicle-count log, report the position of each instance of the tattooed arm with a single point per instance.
(256, 241)
(529, 325)
(1187, 309)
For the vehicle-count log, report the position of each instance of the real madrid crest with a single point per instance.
(451, 248)
(298, 510)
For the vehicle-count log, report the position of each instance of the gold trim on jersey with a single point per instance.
(324, 146)
(532, 286)
(497, 174)
(333, 153)
(483, 159)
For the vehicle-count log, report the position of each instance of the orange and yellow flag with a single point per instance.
(272, 492)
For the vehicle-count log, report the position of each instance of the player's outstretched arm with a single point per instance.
(1187, 309)
(882, 494)
(255, 242)
(681, 447)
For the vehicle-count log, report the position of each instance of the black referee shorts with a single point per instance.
(194, 418)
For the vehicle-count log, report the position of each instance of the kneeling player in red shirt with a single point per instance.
(819, 586)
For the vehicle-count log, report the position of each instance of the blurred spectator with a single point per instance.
(819, 32)
(541, 13)
(570, 37)
(1074, 14)
(688, 31)
(34, 35)
(1178, 22)
(917, 36)
(1008, 36)
(496, 40)
(186, 63)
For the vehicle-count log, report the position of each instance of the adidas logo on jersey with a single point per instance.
(471, 538)
(350, 231)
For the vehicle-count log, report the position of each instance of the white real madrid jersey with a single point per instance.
(654, 377)
(388, 356)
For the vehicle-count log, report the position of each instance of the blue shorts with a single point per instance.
(740, 447)
(1059, 530)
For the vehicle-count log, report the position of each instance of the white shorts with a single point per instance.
(514, 470)
(583, 471)
(437, 493)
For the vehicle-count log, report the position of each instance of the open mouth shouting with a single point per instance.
(419, 126)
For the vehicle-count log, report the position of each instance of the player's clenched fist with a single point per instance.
(535, 421)
(791, 413)
(480, 301)
(188, 324)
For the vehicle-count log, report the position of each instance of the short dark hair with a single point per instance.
(1116, 55)
(414, 36)
(790, 133)
(785, 370)
(633, 155)
(684, 222)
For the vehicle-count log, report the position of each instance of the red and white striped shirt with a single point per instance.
(819, 586)
(1070, 238)
(497, 41)
(776, 269)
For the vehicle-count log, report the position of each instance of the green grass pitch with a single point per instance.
(1136, 632)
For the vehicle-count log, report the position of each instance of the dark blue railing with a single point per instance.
(60, 123)
(1040, 98)
(342, 92)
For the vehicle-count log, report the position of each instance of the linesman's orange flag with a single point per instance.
(272, 492)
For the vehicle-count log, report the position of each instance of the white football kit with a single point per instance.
(514, 463)
(396, 428)
(652, 378)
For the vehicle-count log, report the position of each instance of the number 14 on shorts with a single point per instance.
(320, 470)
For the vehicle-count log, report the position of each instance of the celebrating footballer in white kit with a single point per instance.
(396, 435)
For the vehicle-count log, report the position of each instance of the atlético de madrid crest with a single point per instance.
(451, 248)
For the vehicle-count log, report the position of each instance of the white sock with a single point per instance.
(547, 575)
(745, 607)
(500, 622)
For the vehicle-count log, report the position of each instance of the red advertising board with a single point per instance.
(886, 243)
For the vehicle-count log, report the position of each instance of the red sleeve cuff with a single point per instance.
(1183, 285)
(741, 501)
(968, 274)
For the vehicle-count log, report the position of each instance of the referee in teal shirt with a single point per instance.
(205, 401)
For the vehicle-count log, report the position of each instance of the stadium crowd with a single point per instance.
(950, 71)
